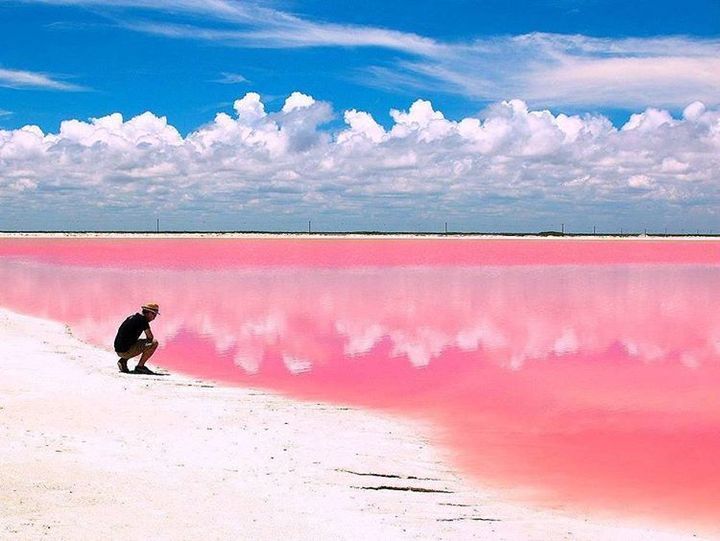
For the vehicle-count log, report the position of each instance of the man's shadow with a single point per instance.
(153, 374)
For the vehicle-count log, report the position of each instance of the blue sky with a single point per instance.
(187, 60)
(131, 71)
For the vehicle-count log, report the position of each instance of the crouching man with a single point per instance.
(128, 343)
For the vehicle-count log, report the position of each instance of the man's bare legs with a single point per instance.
(122, 365)
(148, 353)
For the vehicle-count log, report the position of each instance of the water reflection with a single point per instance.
(508, 315)
(588, 384)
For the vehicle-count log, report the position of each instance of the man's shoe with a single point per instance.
(122, 366)
(143, 370)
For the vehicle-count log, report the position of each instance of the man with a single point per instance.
(128, 343)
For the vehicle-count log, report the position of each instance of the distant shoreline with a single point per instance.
(356, 235)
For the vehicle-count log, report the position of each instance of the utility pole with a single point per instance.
(309, 226)
(157, 225)
(562, 228)
(446, 228)
(593, 230)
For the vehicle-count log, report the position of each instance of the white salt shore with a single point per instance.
(88, 453)
(331, 235)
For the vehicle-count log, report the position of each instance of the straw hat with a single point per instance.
(151, 307)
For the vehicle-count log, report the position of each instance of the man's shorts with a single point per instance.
(136, 349)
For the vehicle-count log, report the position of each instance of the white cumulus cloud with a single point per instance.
(512, 162)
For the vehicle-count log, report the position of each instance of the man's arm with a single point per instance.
(149, 334)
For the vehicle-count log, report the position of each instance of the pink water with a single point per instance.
(578, 374)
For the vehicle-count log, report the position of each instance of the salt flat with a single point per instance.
(350, 235)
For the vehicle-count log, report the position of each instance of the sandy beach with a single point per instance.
(90, 453)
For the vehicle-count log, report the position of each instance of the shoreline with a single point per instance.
(363, 235)
(177, 457)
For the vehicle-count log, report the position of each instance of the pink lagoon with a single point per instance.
(574, 374)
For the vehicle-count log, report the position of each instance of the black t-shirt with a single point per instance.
(130, 331)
